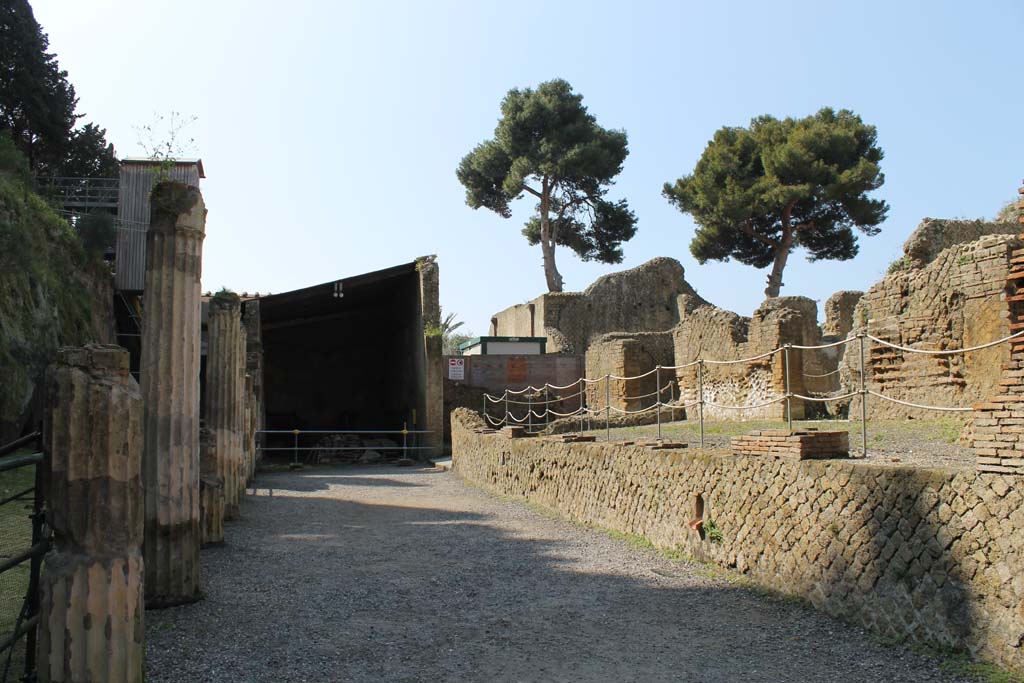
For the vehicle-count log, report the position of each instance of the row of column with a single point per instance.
(135, 489)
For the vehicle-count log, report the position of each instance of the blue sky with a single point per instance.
(330, 131)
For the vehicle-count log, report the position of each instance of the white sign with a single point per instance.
(457, 368)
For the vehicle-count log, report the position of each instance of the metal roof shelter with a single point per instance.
(348, 353)
(134, 187)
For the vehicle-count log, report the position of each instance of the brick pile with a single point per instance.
(999, 422)
(798, 445)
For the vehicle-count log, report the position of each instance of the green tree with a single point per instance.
(547, 145)
(37, 103)
(757, 193)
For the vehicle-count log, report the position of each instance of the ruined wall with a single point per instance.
(839, 310)
(933, 556)
(642, 299)
(52, 294)
(630, 355)
(710, 333)
(493, 374)
(955, 300)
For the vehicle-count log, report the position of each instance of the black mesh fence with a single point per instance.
(21, 550)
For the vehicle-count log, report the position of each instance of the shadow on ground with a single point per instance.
(411, 575)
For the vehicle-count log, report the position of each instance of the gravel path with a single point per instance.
(389, 574)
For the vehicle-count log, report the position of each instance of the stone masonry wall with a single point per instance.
(642, 299)
(710, 333)
(929, 555)
(956, 300)
(630, 355)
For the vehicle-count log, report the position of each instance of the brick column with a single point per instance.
(225, 410)
(432, 418)
(91, 600)
(999, 422)
(170, 391)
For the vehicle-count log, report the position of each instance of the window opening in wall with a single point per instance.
(697, 523)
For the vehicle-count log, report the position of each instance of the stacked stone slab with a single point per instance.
(799, 445)
(91, 607)
(225, 395)
(170, 391)
(211, 491)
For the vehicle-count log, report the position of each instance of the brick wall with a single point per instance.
(932, 556)
(630, 355)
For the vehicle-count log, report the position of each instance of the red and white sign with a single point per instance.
(457, 368)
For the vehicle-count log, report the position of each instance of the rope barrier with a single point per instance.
(918, 405)
(827, 374)
(946, 352)
(649, 372)
(653, 393)
(743, 360)
(751, 407)
(680, 367)
(825, 399)
(823, 346)
(567, 386)
(493, 399)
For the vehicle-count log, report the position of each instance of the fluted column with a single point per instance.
(211, 491)
(91, 624)
(170, 390)
(225, 415)
(250, 429)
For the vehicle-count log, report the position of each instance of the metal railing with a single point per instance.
(81, 193)
(328, 448)
(534, 397)
(24, 540)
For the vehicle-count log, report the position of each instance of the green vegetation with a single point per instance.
(634, 540)
(712, 532)
(15, 537)
(43, 303)
(37, 104)
(757, 193)
(1010, 213)
(547, 145)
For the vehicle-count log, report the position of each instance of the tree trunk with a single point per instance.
(781, 256)
(547, 243)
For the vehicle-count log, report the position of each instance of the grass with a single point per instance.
(881, 433)
(15, 538)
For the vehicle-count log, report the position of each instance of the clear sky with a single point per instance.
(330, 131)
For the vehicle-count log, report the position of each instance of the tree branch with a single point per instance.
(532, 191)
(750, 232)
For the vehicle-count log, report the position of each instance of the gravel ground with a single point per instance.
(390, 574)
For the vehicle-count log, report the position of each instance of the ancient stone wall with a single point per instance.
(839, 311)
(630, 355)
(642, 299)
(956, 300)
(932, 556)
(710, 333)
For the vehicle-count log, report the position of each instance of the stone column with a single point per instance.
(211, 492)
(432, 418)
(170, 390)
(91, 624)
(225, 410)
(250, 430)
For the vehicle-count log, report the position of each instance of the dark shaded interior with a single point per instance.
(345, 354)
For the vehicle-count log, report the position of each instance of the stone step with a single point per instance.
(443, 464)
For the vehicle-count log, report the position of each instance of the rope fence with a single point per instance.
(544, 397)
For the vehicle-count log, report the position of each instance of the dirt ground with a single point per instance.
(391, 574)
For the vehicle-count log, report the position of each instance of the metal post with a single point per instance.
(700, 398)
(529, 412)
(547, 404)
(789, 397)
(505, 424)
(607, 407)
(405, 439)
(582, 386)
(657, 383)
(486, 421)
(295, 446)
(863, 401)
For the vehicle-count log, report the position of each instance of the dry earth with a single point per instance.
(389, 574)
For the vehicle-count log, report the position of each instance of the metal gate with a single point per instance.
(24, 539)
